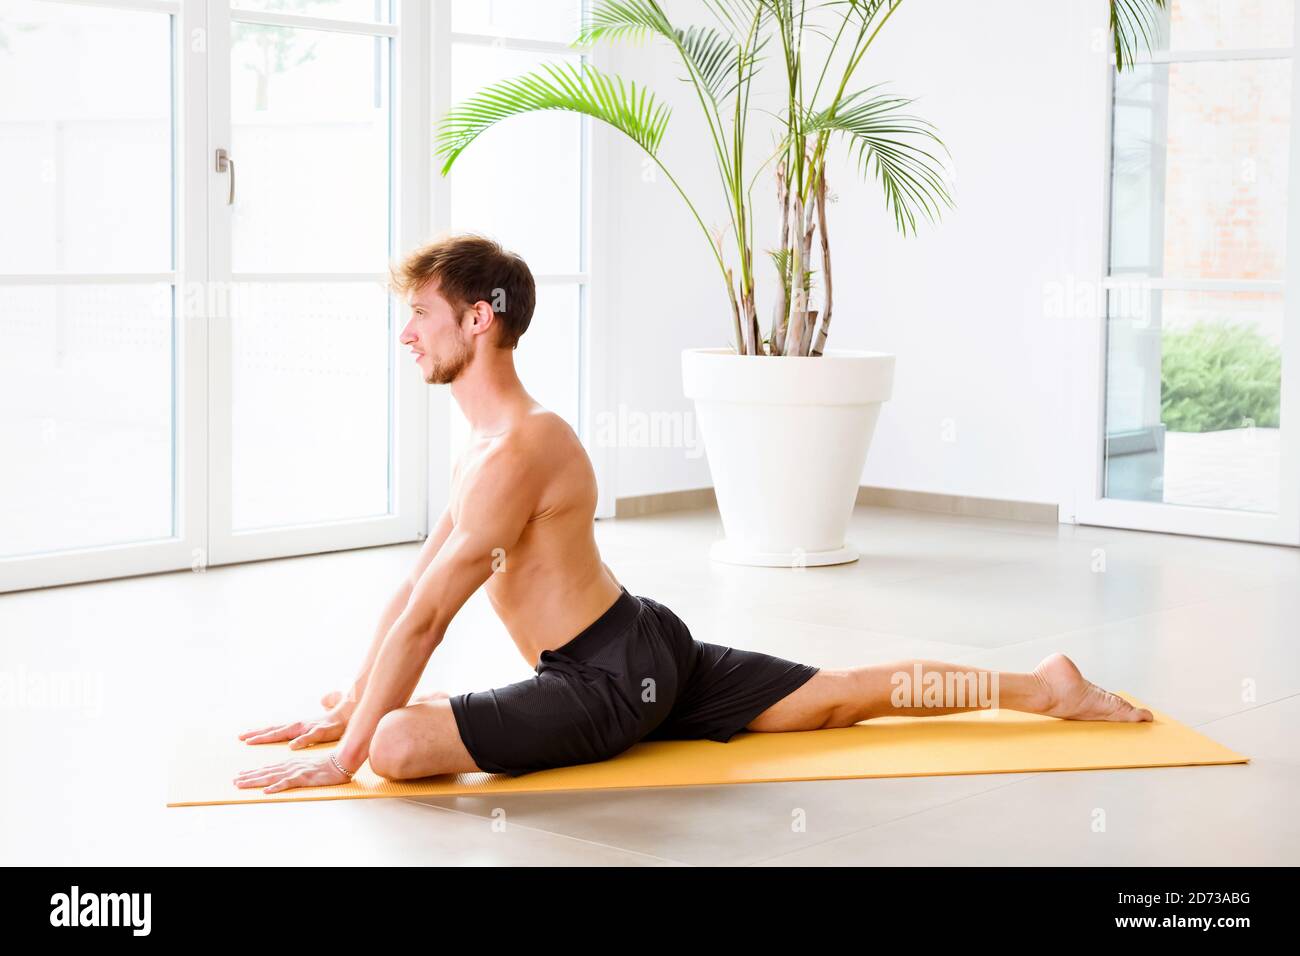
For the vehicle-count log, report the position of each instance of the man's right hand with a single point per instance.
(303, 733)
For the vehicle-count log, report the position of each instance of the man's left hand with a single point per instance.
(291, 774)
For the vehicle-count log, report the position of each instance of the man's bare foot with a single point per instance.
(1071, 696)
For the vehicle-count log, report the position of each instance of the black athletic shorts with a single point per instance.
(634, 674)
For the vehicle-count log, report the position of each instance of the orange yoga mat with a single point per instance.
(997, 741)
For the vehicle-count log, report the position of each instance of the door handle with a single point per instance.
(226, 164)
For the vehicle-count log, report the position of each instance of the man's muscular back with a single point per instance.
(550, 583)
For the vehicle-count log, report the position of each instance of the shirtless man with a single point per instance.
(611, 668)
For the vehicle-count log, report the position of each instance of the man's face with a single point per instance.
(434, 334)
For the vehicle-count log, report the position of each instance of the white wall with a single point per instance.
(1016, 88)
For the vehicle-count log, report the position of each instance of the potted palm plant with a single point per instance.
(786, 422)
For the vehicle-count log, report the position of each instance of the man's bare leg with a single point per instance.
(422, 739)
(841, 698)
(418, 740)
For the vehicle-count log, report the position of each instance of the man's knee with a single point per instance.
(419, 740)
(844, 695)
(392, 746)
(814, 705)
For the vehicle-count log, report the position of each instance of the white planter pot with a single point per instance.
(786, 439)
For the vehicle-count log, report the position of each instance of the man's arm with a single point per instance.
(397, 603)
(496, 505)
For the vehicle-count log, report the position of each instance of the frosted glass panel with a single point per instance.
(85, 139)
(311, 384)
(521, 181)
(1225, 24)
(1201, 168)
(310, 140)
(86, 416)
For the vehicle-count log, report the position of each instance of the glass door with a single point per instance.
(317, 425)
(1200, 423)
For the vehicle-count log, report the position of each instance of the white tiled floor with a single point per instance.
(1203, 630)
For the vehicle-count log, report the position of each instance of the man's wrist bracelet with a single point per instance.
(339, 767)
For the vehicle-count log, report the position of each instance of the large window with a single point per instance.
(198, 361)
(1198, 287)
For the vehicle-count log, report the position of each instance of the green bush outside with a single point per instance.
(1217, 375)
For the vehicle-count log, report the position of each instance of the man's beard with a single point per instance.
(446, 371)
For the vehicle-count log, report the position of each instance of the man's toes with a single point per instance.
(1128, 712)
(1108, 706)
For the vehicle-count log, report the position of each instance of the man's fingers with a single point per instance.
(285, 776)
(320, 732)
(273, 734)
(306, 740)
(269, 774)
(259, 771)
(266, 737)
(250, 733)
(287, 783)
(256, 779)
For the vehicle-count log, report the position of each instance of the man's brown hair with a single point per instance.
(469, 269)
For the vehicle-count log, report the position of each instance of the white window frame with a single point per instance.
(1084, 500)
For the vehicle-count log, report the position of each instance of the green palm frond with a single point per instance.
(893, 145)
(781, 258)
(716, 59)
(712, 55)
(1132, 21)
(623, 20)
(565, 86)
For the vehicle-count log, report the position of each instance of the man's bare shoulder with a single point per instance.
(537, 444)
(541, 436)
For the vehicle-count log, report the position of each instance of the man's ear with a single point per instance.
(481, 317)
